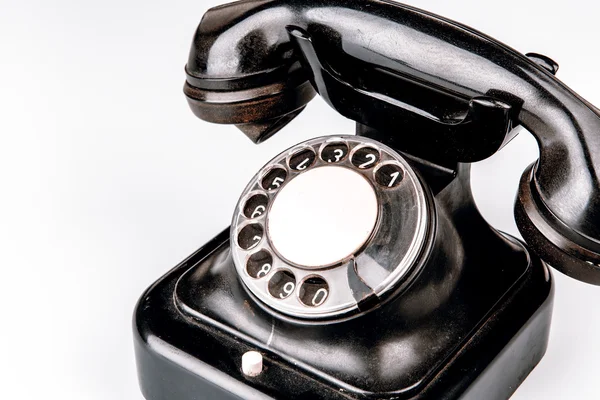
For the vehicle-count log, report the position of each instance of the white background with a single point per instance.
(107, 180)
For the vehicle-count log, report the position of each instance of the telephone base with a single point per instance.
(184, 358)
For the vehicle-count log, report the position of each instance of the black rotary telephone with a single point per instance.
(358, 267)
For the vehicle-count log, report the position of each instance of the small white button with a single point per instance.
(252, 363)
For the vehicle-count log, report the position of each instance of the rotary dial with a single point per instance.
(328, 226)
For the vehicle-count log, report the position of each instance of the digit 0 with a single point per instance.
(313, 291)
(319, 297)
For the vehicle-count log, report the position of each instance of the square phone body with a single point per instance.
(358, 266)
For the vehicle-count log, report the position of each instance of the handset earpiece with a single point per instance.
(427, 85)
(242, 71)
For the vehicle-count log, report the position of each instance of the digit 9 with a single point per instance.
(282, 284)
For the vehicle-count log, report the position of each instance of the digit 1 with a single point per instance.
(394, 177)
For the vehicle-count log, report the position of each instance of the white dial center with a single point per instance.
(322, 216)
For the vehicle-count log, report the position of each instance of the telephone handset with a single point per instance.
(357, 266)
(428, 86)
